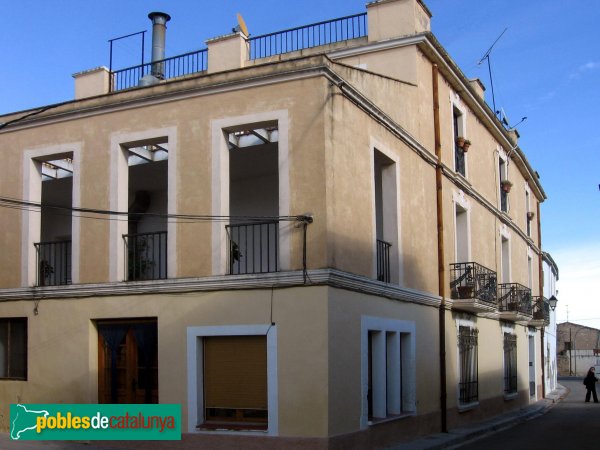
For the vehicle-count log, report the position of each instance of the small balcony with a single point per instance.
(541, 312)
(473, 287)
(383, 261)
(53, 262)
(146, 256)
(253, 247)
(515, 302)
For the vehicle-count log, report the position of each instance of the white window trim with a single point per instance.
(407, 362)
(31, 220)
(396, 250)
(119, 187)
(220, 183)
(501, 155)
(195, 371)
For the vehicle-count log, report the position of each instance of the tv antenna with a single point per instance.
(487, 56)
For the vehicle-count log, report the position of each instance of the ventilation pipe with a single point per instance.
(159, 31)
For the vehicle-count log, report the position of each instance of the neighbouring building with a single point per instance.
(577, 349)
(550, 271)
(321, 237)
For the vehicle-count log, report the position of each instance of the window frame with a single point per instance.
(9, 321)
(458, 129)
(195, 369)
(396, 382)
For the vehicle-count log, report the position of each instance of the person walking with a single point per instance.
(590, 384)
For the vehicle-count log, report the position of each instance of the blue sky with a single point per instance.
(545, 67)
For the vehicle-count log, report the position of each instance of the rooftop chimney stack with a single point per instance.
(159, 31)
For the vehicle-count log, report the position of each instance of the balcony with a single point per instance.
(253, 247)
(473, 287)
(514, 302)
(541, 312)
(53, 262)
(146, 256)
(383, 261)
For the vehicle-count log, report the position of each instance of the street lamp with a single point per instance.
(553, 301)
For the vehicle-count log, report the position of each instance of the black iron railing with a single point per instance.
(173, 67)
(541, 309)
(469, 383)
(53, 262)
(146, 256)
(514, 297)
(308, 36)
(253, 247)
(383, 260)
(470, 280)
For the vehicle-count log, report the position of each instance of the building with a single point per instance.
(550, 271)
(577, 349)
(321, 237)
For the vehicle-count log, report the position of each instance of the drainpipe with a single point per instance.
(440, 240)
(541, 290)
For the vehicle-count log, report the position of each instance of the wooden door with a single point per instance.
(134, 378)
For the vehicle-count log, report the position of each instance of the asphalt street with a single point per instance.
(570, 424)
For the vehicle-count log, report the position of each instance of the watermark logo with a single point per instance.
(95, 422)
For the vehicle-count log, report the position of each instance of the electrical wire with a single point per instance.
(12, 203)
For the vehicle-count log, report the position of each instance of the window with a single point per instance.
(459, 153)
(13, 348)
(388, 369)
(503, 191)
(529, 216)
(386, 217)
(462, 234)
(510, 363)
(232, 378)
(235, 382)
(467, 348)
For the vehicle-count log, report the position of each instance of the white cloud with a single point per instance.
(590, 65)
(579, 284)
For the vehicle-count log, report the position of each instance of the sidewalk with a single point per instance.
(460, 435)
(435, 441)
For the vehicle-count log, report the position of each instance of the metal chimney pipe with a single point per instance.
(159, 30)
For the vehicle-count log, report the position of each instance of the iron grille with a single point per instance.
(510, 363)
(469, 383)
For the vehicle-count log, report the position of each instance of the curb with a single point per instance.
(495, 424)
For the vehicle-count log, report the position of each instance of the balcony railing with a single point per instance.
(383, 260)
(541, 310)
(470, 280)
(253, 247)
(308, 36)
(514, 297)
(173, 67)
(53, 262)
(146, 256)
